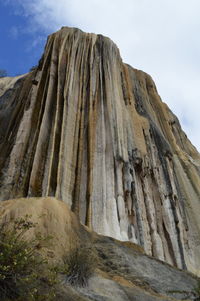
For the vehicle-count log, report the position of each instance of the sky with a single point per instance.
(160, 37)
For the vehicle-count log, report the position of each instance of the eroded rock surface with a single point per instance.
(93, 132)
(123, 272)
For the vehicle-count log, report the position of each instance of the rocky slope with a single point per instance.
(123, 272)
(92, 131)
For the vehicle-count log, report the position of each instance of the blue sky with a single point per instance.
(20, 48)
(160, 37)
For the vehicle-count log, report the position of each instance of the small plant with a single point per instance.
(24, 274)
(79, 265)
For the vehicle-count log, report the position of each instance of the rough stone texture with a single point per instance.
(52, 217)
(7, 84)
(123, 272)
(93, 132)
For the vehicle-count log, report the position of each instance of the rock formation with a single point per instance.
(92, 131)
(123, 272)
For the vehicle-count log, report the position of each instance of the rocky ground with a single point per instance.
(122, 272)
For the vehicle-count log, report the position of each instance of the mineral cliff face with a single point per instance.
(92, 131)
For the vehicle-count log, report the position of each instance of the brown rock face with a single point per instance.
(93, 132)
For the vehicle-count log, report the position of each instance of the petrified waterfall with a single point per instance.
(93, 131)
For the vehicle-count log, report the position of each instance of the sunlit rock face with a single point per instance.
(92, 131)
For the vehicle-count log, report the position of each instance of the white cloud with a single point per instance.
(36, 42)
(158, 36)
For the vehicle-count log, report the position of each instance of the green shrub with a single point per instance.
(24, 273)
(79, 265)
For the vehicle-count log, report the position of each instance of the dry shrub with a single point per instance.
(24, 273)
(79, 265)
